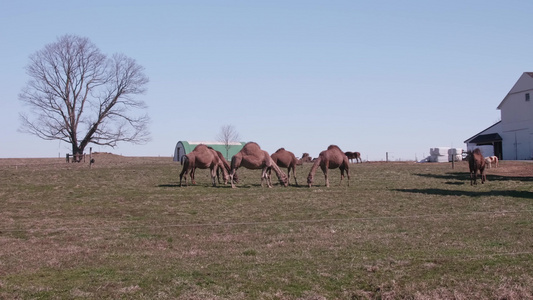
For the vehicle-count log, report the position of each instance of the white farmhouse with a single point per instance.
(512, 137)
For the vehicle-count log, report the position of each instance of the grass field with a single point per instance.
(125, 229)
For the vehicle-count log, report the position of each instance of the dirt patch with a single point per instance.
(512, 168)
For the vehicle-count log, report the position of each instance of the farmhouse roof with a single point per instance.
(524, 83)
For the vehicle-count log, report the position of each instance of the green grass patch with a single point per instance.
(126, 230)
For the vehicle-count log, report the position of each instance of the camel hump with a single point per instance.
(201, 147)
(280, 149)
(333, 147)
(251, 148)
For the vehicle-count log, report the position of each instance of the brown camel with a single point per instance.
(226, 166)
(202, 157)
(331, 158)
(285, 159)
(353, 155)
(252, 157)
(306, 158)
(476, 162)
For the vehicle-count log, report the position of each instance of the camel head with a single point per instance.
(284, 180)
(310, 180)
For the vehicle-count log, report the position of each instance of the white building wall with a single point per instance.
(486, 150)
(517, 125)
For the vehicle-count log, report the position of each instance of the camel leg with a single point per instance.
(225, 174)
(235, 164)
(213, 175)
(183, 172)
(325, 169)
(191, 175)
(348, 175)
(266, 177)
(231, 180)
(293, 174)
(226, 177)
(231, 176)
(185, 169)
(218, 176)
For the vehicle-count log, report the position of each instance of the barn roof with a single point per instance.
(486, 139)
(490, 129)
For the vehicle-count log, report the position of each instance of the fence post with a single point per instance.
(453, 161)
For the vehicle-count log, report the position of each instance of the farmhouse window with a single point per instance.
(527, 96)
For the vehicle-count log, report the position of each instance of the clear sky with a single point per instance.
(370, 76)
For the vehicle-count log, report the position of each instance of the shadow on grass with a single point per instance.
(442, 192)
(169, 185)
(205, 185)
(465, 177)
(177, 185)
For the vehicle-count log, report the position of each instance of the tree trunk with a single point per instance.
(77, 153)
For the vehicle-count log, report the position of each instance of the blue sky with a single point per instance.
(370, 76)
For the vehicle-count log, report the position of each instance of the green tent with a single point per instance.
(185, 147)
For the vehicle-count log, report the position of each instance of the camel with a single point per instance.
(226, 166)
(476, 163)
(331, 158)
(353, 155)
(305, 158)
(202, 157)
(491, 159)
(285, 159)
(252, 157)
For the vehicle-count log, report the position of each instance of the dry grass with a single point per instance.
(124, 229)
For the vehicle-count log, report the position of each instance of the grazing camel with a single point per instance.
(285, 159)
(306, 158)
(331, 158)
(476, 163)
(202, 157)
(252, 157)
(353, 155)
(226, 166)
(490, 160)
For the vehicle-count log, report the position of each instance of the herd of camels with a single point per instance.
(253, 157)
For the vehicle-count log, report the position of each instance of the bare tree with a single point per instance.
(227, 135)
(78, 95)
